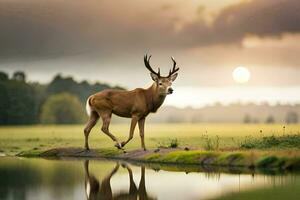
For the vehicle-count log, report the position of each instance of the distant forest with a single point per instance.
(59, 102)
(62, 101)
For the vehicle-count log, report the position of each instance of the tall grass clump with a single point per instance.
(174, 143)
(268, 142)
(211, 143)
(171, 143)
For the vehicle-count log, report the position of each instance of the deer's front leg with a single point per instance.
(106, 117)
(142, 128)
(134, 120)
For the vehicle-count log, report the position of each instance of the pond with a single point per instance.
(37, 178)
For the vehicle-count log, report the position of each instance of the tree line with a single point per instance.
(231, 113)
(61, 101)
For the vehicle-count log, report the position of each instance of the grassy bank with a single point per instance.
(249, 159)
(255, 145)
(282, 160)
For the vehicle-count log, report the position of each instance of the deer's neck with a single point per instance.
(154, 99)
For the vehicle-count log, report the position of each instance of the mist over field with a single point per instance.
(233, 113)
(63, 100)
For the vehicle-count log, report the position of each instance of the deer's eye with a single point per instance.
(160, 84)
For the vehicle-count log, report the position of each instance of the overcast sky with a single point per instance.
(103, 40)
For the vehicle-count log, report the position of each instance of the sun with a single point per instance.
(241, 74)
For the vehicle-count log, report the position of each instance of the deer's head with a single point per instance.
(163, 83)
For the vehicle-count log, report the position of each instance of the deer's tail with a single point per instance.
(88, 107)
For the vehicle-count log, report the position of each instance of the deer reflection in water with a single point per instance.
(96, 190)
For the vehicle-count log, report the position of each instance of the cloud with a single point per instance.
(46, 29)
(263, 18)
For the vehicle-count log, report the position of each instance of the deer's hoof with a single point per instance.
(118, 146)
(124, 165)
(123, 144)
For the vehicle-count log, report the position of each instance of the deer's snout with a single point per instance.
(170, 90)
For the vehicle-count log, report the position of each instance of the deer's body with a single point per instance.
(127, 103)
(135, 104)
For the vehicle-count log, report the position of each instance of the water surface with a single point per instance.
(23, 178)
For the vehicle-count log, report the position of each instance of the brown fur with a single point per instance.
(135, 104)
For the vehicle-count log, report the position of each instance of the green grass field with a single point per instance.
(14, 139)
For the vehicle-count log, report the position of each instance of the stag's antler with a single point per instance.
(174, 69)
(147, 64)
(171, 72)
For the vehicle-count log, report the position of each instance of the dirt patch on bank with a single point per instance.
(69, 152)
(99, 153)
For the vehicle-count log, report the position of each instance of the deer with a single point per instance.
(136, 104)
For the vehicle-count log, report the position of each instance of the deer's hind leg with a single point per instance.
(106, 118)
(89, 125)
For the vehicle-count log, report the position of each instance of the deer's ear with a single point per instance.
(173, 77)
(154, 77)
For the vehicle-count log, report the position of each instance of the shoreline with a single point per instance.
(249, 160)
